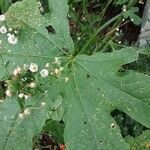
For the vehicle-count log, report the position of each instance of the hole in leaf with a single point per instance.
(87, 76)
(113, 125)
(127, 125)
(98, 89)
(84, 122)
(141, 65)
(61, 122)
(51, 136)
(47, 141)
(43, 7)
(101, 141)
(3, 88)
(50, 29)
(122, 72)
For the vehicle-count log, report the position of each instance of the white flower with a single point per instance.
(124, 8)
(43, 104)
(25, 66)
(21, 95)
(2, 17)
(117, 29)
(41, 9)
(57, 60)
(26, 97)
(47, 65)
(32, 85)
(39, 3)
(44, 73)
(10, 29)
(3, 29)
(119, 42)
(27, 111)
(21, 115)
(8, 34)
(66, 79)
(57, 71)
(8, 93)
(17, 71)
(61, 68)
(15, 32)
(40, 6)
(79, 38)
(33, 67)
(12, 39)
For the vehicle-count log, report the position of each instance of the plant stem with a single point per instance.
(117, 23)
(97, 32)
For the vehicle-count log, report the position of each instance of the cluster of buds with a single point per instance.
(11, 34)
(24, 76)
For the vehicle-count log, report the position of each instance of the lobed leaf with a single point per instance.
(97, 88)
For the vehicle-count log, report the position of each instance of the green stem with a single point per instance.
(104, 10)
(89, 41)
(117, 23)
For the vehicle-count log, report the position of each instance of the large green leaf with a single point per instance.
(96, 88)
(35, 45)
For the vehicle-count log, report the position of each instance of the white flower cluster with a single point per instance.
(54, 70)
(8, 93)
(34, 68)
(17, 71)
(22, 95)
(3, 30)
(11, 37)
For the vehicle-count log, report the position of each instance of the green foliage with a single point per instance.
(4, 5)
(82, 93)
(141, 142)
(121, 2)
(131, 14)
(56, 130)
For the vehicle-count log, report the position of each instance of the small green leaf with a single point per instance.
(121, 2)
(131, 14)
